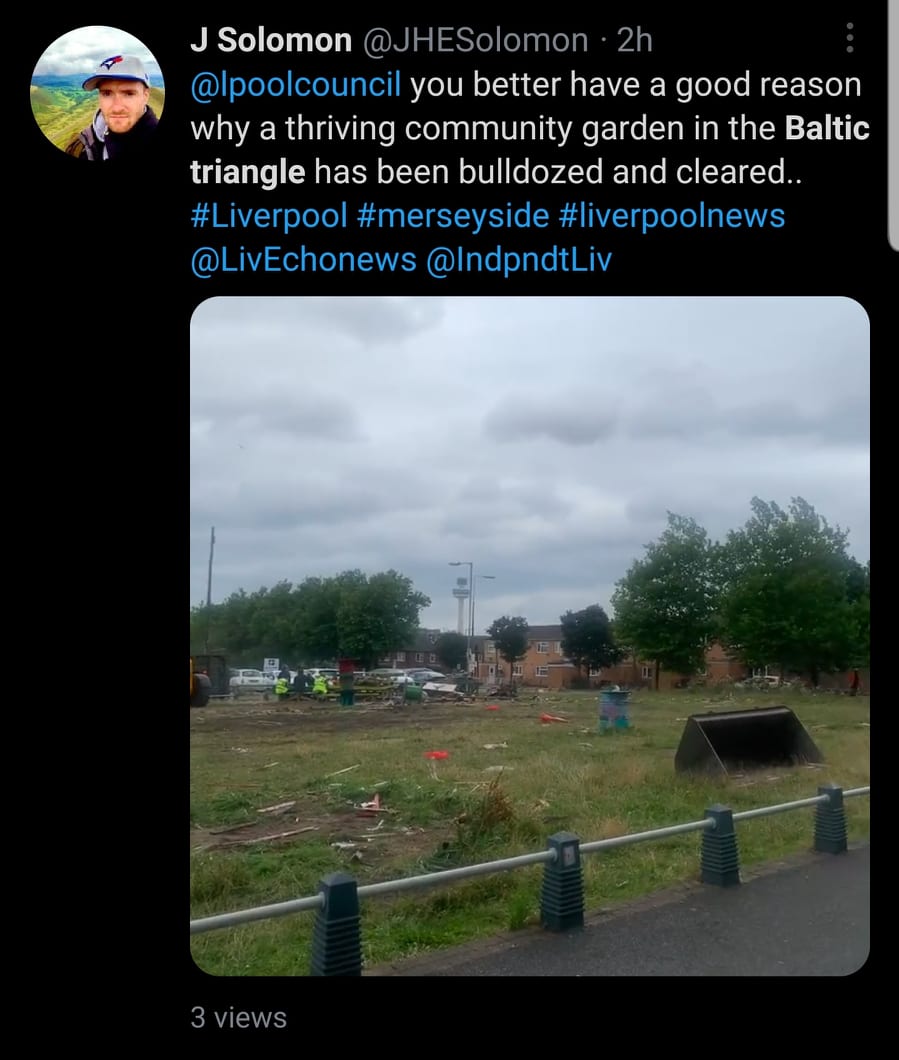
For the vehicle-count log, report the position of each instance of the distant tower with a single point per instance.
(461, 593)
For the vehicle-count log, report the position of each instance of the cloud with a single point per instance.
(543, 439)
(566, 418)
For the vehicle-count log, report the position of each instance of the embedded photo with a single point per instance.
(487, 581)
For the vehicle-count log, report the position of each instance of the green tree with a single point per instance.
(666, 606)
(376, 615)
(273, 622)
(860, 606)
(452, 650)
(788, 601)
(587, 639)
(510, 635)
(317, 627)
(315, 622)
(229, 626)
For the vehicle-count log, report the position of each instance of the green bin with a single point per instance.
(613, 710)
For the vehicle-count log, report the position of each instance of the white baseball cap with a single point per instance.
(118, 68)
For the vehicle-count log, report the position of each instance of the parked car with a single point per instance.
(328, 672)
(394, 676)
(249, 678)
(421, 675)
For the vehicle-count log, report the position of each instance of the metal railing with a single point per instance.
(562, 899)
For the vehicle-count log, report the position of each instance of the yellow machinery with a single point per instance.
(200, 686)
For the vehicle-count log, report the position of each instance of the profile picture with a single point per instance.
(97, 93)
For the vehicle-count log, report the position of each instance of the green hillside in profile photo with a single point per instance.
(97, 94)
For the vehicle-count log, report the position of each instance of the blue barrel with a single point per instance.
(613, 710)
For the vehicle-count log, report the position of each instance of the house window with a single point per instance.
(419, 656)
(491, 650)
(542, 647)
(432, 658)
(646, 672)
(518, 670)
(400, 656)
(558, 647)
(541, 671)
(595, 671)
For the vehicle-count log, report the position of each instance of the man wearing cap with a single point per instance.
(125, 123)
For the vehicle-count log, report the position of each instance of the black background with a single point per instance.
(103, 319)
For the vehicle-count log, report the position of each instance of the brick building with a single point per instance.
(419, 653)
(545, 665)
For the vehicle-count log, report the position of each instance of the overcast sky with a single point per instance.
(542, 439)
(80, 52)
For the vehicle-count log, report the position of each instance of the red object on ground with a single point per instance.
(492, 706)
(551, 717)
(436, 754)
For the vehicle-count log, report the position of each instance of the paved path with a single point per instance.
(808, 915)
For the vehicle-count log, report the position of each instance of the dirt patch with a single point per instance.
(364, 837)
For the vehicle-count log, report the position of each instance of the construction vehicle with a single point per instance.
(215, 667)
(200, 686)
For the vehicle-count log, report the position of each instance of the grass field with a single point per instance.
(508, 781)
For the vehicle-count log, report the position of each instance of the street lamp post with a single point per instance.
(467, 563)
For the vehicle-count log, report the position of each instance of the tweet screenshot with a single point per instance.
(528, 467)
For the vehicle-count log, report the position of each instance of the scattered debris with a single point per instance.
(494, 746)
(369, 809)
(277, 835)
(240, 750)
(492, 706)
(270, 764)
(546, 718)
(339, 771)
(497, 769)
(343, 845)
(231, 828)
(437, 754)
(281, 807)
